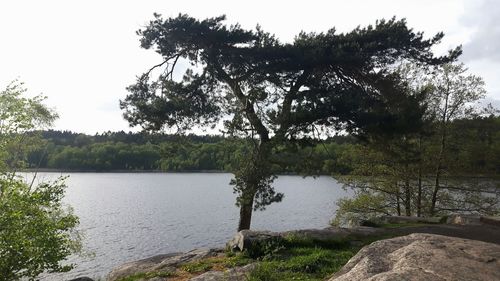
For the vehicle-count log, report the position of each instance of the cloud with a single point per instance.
(494, 102)
(483, 17)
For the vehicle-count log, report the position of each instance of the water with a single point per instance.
(129, 216)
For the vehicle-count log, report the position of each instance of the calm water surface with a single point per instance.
(129, 216)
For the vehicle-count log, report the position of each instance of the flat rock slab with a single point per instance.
(420, 257)
(491, 220)
(405, 219)
(161, 263)
(246, 239)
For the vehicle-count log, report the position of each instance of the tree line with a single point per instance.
(474, 151)
(141, 151)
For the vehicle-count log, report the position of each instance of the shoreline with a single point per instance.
(48, 170)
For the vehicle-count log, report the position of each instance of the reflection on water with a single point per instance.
(129, 216)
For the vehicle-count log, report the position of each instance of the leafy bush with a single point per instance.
(36, 232)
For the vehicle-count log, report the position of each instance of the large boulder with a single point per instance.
(250, 240)
(160, 264)
(424, 257)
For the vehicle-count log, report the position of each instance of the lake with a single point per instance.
(129, 216)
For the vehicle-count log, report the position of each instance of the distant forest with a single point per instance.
(475, 148)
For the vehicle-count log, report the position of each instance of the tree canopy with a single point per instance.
(320, 78)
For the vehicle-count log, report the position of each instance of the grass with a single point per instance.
(191, 269)
(216, 263)
(291, 258)
(305, 259)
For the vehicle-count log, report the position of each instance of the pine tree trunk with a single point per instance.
(245, 215)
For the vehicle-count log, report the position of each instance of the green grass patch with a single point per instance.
(216, 263)
(294, 257)
(303, 258)
(196, 267)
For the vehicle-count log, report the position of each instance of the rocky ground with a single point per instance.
(422, 257)
(465, 248)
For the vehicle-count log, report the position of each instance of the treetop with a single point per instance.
(270, 88)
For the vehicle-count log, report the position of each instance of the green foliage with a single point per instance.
(139, 151)
(36, 231)
(265, 249)
(19, 115)
(449, 165)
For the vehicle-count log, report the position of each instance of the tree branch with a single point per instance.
(246, 103)
(286, 107)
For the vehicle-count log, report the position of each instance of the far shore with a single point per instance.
(45, 170)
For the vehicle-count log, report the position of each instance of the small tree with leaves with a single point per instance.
(36, 231)
(425, 173)
(272, 92)
(455, 94)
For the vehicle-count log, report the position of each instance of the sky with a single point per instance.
(83, 54)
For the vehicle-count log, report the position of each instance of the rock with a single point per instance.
(233, 274)
(464, 219)
(161, 263)
(254, 241)
(82, 279)
(424, 257)
(248, 239)
(491, 220)
(336, 233)
(405, 219)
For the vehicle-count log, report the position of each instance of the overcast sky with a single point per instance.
(83, 54)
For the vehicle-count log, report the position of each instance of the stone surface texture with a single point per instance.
(233, 274)
(161, 263)
(420, 257)
(245, 239)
